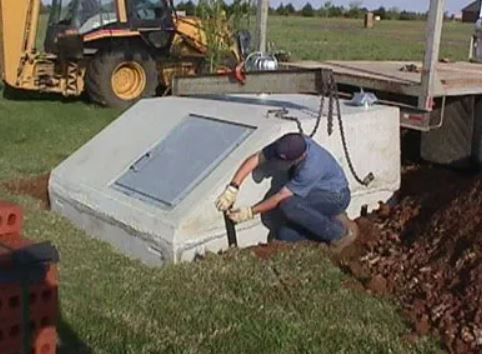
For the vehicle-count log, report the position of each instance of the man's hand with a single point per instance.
(241, 215)
(226, 200)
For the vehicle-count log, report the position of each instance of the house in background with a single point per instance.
(471, 12)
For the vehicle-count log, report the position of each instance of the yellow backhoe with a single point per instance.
(118, 51)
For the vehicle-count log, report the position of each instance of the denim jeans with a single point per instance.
(313, 217)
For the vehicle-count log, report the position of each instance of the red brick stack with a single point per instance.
(28, 289)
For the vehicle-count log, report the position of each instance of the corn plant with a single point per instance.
(220, 23)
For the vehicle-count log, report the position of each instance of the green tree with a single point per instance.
(321, 12)
(307, 10)
(393, 14)
(187, 7)
(336, 11)
(290, 9)
(281, 10)
(354, 10)
(382, 12)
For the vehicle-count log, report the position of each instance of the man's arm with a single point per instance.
(272, 202)
(248, 166)
(245, 214)
(226, 200)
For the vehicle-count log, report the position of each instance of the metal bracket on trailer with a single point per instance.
(423, 120)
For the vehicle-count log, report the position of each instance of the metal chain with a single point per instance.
(329, 123)
(368, 178)
(318, 118)
(283, 114)
(329, 88)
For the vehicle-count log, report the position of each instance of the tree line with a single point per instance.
(328, 9)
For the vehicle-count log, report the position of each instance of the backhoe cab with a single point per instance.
(93, 20)
(118, 51)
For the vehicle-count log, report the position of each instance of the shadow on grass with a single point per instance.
(69, 342)
(13, 94)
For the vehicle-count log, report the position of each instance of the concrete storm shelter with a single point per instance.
(147, 183)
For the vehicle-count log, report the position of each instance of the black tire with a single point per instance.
(98, 78)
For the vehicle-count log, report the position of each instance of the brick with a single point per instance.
(43, 303)
(45, 341)
(43, 296)
(52, 277)
(9, 243)
(11, 219)
(10, 303)
(10, 336)
(11, 346)
(42, 331)
(44, 318)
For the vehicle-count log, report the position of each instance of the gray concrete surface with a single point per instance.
(82, 188)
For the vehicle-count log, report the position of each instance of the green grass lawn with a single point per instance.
(346, 39)
(294, 303)
(234, 304)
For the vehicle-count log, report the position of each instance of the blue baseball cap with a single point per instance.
(289, 147)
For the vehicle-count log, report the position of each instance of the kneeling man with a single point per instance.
(314, 200)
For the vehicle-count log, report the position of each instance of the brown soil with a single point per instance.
(36, 187)
(266, 252)
(427, 251)
(353, 284)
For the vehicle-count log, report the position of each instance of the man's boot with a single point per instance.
(351, 235)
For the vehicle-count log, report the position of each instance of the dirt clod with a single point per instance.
(423, 326)
(378, 285)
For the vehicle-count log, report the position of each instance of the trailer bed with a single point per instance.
(453, 79)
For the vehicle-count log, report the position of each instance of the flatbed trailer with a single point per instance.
(400, 83)
(454, 79)
(441, 100)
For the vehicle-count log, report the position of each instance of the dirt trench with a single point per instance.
(427, 252)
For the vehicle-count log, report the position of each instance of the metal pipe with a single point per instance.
(432, 50)
(261, 25)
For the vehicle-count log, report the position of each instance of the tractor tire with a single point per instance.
(118, 78)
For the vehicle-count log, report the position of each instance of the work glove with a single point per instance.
(241, 215)
(226, 200)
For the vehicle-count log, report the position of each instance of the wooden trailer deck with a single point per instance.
(452, 79)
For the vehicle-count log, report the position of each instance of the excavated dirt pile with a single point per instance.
(427, 251)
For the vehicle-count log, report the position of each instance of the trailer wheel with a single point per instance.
(453, 143)
(119, 78)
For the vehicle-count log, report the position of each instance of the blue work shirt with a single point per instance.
(319, 170)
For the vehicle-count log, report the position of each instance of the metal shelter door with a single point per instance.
(173, 168)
